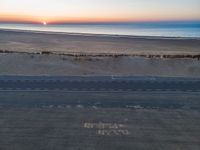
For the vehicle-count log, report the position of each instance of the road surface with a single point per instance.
(98, 83)
(143, 113)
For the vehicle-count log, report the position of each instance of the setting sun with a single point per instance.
(44, 23)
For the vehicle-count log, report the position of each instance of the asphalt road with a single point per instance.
(128, 119)
(98, 83)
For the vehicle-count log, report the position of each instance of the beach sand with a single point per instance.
(95, 44)
(29, 53)
(33, 64)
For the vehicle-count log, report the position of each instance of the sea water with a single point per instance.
(162, 29)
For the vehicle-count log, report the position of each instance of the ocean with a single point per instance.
(162, 29)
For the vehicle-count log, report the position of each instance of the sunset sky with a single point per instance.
(52, 11)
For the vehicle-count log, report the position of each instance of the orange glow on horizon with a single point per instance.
(54, 20)
(94, 11)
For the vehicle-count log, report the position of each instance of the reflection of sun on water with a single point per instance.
(44, 23)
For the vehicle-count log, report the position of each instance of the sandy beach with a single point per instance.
(45, 53)
(29, 41)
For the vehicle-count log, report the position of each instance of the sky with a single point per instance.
(75, 11)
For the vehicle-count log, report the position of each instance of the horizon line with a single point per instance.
(101, 22)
